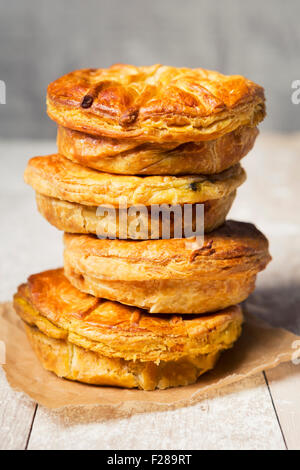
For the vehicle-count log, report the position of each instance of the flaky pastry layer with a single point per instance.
(134, 158)
(167, 296)
(233, 248)
(56, 176)
(77, 218)
(155, 103)
(75, 363)
(170, 276)
(50, 303)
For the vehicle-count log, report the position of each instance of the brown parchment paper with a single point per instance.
(261, 347)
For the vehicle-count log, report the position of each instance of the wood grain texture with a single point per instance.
(240, 416)
(16, 416)
(284, 383)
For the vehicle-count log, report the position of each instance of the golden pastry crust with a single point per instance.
(97, 341)
(167, 296)
(131, 158)
(56, 176)
(233, 248)
(75, 363)
(155, 103)
(77, 218)
(170, 276)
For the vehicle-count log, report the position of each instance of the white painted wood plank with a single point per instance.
(284, 383)
(240, 416)
(16, 415)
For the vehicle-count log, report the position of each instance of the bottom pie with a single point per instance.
(91, 340)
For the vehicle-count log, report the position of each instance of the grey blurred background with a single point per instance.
(41, 40)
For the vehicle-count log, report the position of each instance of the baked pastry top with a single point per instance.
(50, 303)
(234, 248)
(134, 158)
(58, 177)
(155, 103)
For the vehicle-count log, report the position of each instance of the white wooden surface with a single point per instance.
(262, 412)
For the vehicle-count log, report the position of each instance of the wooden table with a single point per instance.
(262, 412)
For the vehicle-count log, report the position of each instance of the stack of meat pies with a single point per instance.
(136, 306)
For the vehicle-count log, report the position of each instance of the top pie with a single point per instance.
(155, 103)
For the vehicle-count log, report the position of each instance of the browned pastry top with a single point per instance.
(155, 103)
(233, 248)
